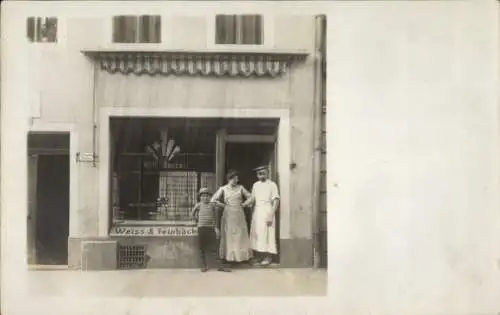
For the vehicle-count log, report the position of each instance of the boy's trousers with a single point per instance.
(208, 246)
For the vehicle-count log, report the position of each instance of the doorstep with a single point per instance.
(49, 267)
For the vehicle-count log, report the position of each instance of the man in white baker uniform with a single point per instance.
(263, 227)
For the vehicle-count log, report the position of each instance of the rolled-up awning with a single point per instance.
(206, 63)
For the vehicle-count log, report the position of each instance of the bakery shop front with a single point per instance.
(169, 123)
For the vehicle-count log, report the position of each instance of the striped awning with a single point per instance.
(216, 64)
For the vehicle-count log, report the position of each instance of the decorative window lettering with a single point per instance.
(155, 231)
(137, 29)
(239, 30)
(41, 29)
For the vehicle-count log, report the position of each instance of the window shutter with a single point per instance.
(157, 28)
(118, 27)
(238, 29)
(38, 29)
(251, 30)
(51, 29)
(131, 29)
(225, 29)
(258, 28)
(144, 29)
(220, 30)
(150, 29)
(30, 28)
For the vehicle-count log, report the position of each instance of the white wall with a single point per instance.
(413, 124)
(414, 217)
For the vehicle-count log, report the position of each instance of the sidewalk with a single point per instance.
(179, 283)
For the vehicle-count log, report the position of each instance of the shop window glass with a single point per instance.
(159, 164)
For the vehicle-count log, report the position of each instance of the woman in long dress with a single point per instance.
(234, 236)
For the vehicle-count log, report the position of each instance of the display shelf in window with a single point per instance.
(162, 194)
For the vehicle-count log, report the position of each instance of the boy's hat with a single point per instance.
(261, 168)
(204, 190)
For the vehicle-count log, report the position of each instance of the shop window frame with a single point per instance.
(105, 222)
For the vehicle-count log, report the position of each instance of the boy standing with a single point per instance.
(207, 220)
(263, 229)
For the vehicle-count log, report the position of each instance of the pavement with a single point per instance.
(179, 283)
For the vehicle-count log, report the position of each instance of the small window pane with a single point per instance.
(150, 29)
(41, 29)
(157, 23)
(125, 29)
(130, 29)
(238, 29)
(225, 29)
(50, 30)
(38, 27)
(30, 28)
(118, 26)
(137, 29)
(251, 30)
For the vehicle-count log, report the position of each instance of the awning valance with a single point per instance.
(262, 64)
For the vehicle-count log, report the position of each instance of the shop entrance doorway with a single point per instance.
(48, 198)
(245, 152)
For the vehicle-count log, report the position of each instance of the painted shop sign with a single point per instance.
(154, 231)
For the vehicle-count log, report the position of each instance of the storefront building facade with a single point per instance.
(145, 109)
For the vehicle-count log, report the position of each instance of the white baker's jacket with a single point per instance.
(264, 193)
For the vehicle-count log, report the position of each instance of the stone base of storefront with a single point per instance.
(168, 252)
(76, 246)
(296, 253)
(161, 252)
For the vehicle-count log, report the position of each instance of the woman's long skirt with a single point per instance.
(234, 241)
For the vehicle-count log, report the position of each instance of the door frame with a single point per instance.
(273, 172)
(32, 209)
(39, 127)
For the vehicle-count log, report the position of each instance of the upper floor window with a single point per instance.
(239, 30)
(41, 29)
(137, 29)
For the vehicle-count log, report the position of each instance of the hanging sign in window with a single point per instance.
(154, 231)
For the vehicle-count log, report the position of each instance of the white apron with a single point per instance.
(262, 236)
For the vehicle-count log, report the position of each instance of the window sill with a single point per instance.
(149, 223)
(130, 47)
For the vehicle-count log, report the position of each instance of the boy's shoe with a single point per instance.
(224, 269)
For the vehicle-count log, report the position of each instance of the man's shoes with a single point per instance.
(204, 269)
(254, 262)
(266, 262)
(222, 269)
